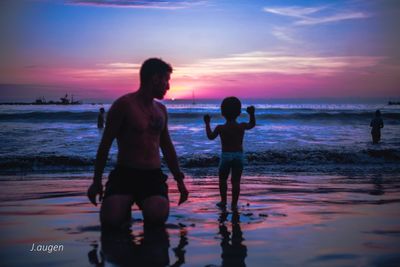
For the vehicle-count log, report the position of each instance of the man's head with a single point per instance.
(155, 75)
(231, 108)
(377, 113)
(102, 110)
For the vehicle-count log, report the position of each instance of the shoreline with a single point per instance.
(287, 220)
(344, 169)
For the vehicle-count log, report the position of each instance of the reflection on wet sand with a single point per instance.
(350, 220)
(378, 189)
(122, 248)
(180, 251)
(233, 251)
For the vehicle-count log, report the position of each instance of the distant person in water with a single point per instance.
(231, 134)
(140, 125)
(377, 125)
(100, 118)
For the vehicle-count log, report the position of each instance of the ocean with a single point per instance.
(321, 138)
(315, 191)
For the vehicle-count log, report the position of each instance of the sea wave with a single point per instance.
(49, 116)
(187, 114)
(302, 159)
(39, 162)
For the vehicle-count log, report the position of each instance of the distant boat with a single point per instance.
(63, 101)
(40, 101)
(390, 103)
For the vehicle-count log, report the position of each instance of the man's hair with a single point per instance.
(378, 113)
(151, 67)
(231, 107)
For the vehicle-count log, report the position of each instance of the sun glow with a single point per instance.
(179, 91)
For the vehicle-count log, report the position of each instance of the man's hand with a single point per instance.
(183, 191)
(250, 109)
(207, 118)
(94, 190)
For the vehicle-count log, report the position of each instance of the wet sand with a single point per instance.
(291, 220)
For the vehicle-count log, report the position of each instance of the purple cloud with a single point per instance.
(159, 4)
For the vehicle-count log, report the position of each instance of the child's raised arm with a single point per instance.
(210, 134)
(251, 110)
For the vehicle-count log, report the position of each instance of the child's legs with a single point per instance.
(236, 176)
(223, 178)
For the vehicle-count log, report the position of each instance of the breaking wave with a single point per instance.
(91, 116)
(302, 159)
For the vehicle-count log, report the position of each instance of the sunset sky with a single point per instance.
(251, 49)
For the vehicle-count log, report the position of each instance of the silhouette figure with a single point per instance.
(377, 125)
(231, 134)
(139, 123)
(234, 252)
(377, 182)
(179, 251)
(122, 248)
(100, 118)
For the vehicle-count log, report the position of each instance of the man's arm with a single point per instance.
(168, 150)
(169, 153)
(114, 121)
(210, 134)
(252, 123)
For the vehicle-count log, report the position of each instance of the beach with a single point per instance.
(315, 191)
(286, 220)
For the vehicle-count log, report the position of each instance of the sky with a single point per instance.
(260, 49)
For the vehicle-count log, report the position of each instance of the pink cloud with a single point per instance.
(248, 75)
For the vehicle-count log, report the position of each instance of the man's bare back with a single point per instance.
(231, 134)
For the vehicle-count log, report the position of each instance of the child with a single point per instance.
(231, 134)
(376, 125)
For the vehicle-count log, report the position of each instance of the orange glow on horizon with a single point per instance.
(249, 75)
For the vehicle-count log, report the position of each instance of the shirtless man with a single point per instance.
(140, 126)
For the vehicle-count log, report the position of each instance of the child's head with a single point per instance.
(231, 108)
(102, 110)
